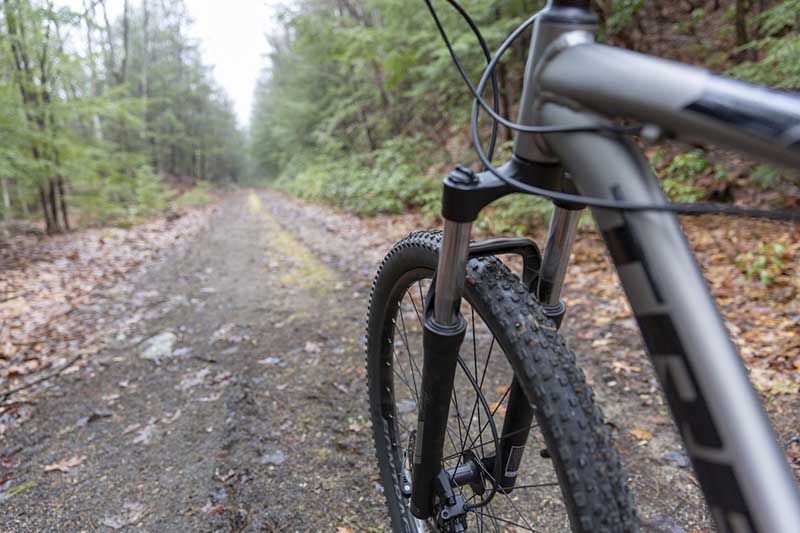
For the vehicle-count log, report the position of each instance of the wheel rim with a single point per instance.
(536, 503)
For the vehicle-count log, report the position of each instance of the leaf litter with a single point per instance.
(53, 289)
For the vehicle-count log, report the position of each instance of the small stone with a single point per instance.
(678, 457)
(275, 458)
(159, 347)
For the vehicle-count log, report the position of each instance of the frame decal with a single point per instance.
(767, 114)
(704, 444)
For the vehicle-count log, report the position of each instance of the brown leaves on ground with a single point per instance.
(762, 317)
(641, 434)
(49, 285)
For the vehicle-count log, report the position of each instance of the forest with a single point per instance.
(102, 108)
(109, 111)
(360, 105)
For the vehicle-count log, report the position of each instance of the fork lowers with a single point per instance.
(441, 343)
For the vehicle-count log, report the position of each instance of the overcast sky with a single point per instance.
(232, 36)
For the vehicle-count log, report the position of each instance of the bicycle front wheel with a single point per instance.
(570, 476)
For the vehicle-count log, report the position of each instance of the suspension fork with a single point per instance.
(465, 194)
(443, 333)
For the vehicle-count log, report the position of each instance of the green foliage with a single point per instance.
(680, 176)
(765, 264)
(118, 191)
(197, 196)
(384, 181)
(779, 48)
(514, 214)
(348, 84)
(346, 88)
(101, 118)
(764, 175)
(622, 16)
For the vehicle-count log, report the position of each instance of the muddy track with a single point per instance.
(248, 410)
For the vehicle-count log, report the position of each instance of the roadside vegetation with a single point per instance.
(107, 112)
(362, 108)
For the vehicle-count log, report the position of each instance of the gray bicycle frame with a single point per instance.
(569, 79)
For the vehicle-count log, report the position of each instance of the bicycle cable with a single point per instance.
(479, 103)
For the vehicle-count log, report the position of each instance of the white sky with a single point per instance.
(232, 36)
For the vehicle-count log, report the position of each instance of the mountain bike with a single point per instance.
(482, 419)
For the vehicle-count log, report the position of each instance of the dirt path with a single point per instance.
(238, 402)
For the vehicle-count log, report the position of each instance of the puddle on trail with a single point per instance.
(299, 266)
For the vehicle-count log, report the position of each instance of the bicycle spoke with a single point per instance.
(419, 317)
(475, 358)
(475, 447)
(414, 365)
(404, 379)
(404, 339)
(454, 400)
(505, 494)
(496, 519)
(472, 443)
(480, 385)
(536, 486)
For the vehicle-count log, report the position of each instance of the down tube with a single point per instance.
(742, 470)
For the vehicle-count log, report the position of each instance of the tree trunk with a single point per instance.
(53, 200)
(126, 26)
(63, 196)
(741, 29)
(145, 63)
(367, 131)
(48, 215)
(505, 105)
(6, 198)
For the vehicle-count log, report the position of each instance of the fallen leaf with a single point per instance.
(145, 435)
(131, 429)
(343, 529)
(497, 408)
(641, 434)
(622, 366)
(213, 508)
(312, 347)
(131, 513)
(65, 465)
(193, 379)
(170, 418)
